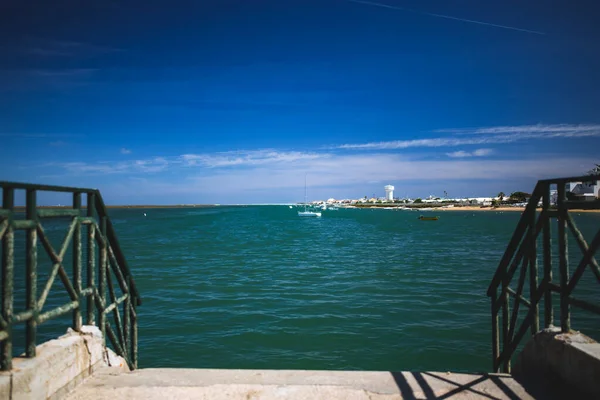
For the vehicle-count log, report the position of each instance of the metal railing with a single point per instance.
(89, 298)
(521, 255)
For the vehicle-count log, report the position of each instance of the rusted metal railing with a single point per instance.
(521, 255)
(87, 298)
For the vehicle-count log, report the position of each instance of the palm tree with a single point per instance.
(595, 170)
(501, 196)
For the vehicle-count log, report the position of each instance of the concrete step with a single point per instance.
(165, 383)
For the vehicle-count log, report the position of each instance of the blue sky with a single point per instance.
(235, 101)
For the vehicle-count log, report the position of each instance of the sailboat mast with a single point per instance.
(305, 193)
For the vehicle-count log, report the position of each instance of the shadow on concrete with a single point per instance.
(421, 388)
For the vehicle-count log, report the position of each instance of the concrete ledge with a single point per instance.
(216, 384)
(564, 359)
(60, 365)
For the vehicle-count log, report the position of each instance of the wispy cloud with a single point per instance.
(566, 130)
(262, 173)
(512, 28)
(151, 165)
(475, 153)
(483, 136)
(63, 48)
(63, 73)
(328, 175)
(222, 160)
(247, 158)
(37, 135)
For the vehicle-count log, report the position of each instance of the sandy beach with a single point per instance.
(477, 208)
(501, 209)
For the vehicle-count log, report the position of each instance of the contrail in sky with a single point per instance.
(370, 3)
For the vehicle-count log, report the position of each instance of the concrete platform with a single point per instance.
(285, 384)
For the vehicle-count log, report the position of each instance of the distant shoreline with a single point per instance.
(132, 206)
(489, 209)
(378, 206)
(430, 208)
(508, 209)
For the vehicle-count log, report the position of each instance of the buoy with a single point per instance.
(144, 214)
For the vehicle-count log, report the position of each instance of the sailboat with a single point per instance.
(307, 213)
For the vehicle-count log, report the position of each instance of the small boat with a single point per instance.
(423, 218)
(307, 213)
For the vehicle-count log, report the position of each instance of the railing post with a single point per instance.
(505, 321)
(533, 272)
(134, 331)
(102, 275)
(547, 242)
(7, 281)
(565, 317)
(127, 320)
(77, 265)
(91, 258)
(31, 272)
(495, 336)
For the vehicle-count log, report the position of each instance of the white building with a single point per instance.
(585, 190)
(389, 192)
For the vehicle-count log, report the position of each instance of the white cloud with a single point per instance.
(475, 153)
(491, 135)
(125, 151)
(247, 158)
(356, 170)
(482, 152)
(562, 129)
(155, 164)
(459, 154)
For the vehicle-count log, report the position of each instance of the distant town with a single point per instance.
(577, 191)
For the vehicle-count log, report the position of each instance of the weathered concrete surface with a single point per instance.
(271, 384)
(571, 359)
(60, 365)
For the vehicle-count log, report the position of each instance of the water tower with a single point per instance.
(389, 192)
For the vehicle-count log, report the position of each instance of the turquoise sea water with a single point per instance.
(259, 287)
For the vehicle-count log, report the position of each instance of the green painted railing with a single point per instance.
(87, 298)
(521, 255)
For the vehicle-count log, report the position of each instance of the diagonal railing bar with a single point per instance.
(57, 267)
(91, 262)
(523, 246)
(120, 350)
(515, 311)
(521, 299)
(587, 259)
(584, 305)
(114, 305)
(112, 238)
(512, 345)
(116, 314)
(112, 264)
(65, 243)
(581, 242)
(3, 228)
(87, 296)
(522, 225)
(522, 252)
